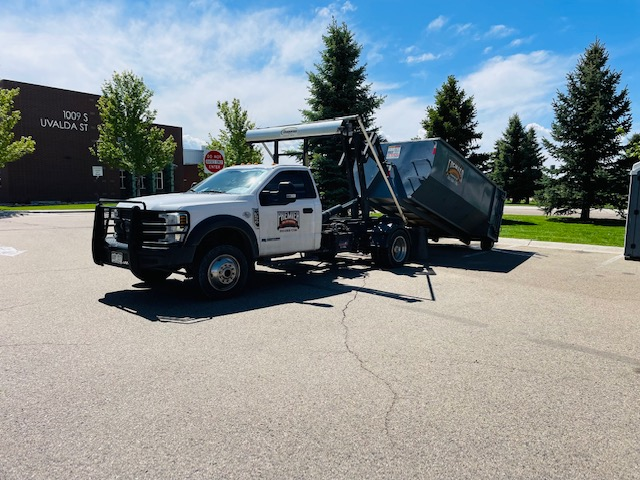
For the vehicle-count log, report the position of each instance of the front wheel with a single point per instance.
(396, 253)
(223, 272)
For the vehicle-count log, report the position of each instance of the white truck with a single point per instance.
(217, 231)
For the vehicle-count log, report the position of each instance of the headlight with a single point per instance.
(176, 226)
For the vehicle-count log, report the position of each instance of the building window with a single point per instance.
(123, 179)
(159, 180)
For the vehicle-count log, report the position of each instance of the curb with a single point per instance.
(578, 247)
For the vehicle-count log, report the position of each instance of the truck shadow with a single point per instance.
(294, 281)
(282, 283)
(471, 258)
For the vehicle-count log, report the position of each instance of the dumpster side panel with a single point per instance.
(632, 230)
(437, 188)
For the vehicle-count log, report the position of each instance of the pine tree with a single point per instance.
(590, 120)
(452, 118)
(518, 161)
(533, 167)
(338, 88)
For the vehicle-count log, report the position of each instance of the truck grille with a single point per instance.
(153, 228)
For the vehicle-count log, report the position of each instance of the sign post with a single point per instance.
(213, 161)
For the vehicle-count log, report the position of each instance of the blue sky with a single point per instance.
(512, 56)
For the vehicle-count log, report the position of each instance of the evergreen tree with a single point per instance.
(128, 140)
(452, 118)
(482, 160)
(518, 161)
(10, 149)
(338, 88)
(590, 119)
(232, 137)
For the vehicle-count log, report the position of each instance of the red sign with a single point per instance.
(214, 161)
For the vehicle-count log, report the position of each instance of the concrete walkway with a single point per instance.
(534, 210)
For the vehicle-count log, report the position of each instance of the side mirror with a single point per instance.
(285, 194)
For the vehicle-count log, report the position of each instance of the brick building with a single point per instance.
(64, 124)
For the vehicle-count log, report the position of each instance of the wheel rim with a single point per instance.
(399, 249)
(224, 272)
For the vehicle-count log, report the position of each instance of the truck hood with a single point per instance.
(182, 201)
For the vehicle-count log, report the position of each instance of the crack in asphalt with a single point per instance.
(364, 367)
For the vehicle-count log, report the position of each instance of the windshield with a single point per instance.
(230, 180)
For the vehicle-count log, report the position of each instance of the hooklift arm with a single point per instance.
(384, 176)
(346, 126)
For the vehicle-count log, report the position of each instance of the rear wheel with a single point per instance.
(396, 253)
(223, 272)
(486, 244)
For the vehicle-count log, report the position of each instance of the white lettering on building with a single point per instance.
(70, 120)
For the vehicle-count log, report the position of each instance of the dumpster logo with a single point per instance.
(454, 172)
(289, 221)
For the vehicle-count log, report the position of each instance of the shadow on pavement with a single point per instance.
(10, 213)
(299, 281)
(468, 258)
(284, 283)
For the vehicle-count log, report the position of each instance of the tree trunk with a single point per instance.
(584, 214)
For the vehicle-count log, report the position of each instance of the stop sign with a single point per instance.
(213, 161)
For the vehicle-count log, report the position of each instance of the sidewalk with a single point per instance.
(577, 247)
(534, 210)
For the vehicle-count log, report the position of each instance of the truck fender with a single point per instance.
(211, 224)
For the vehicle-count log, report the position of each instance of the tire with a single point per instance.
(486, 244)
(153, 277)
(396, 253)
(223, 272)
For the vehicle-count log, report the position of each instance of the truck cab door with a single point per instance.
(290, 214)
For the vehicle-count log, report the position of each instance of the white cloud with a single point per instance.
(336, 8)
(425, 57)
(518, 42)
(190, 58)
(437, 23)
(500, 31)
(523, 84)
(462, 28)
(399, 118)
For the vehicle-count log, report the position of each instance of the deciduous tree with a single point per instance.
(10, 149)
(231, 138)
(128, 140)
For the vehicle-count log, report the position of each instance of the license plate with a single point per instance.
(118, 258)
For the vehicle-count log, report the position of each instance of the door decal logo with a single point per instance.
(288, 221)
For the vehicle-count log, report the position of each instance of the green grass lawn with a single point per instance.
(609, 232)
(531, 227)
(70, 206)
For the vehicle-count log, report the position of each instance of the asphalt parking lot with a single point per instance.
(525, 365)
